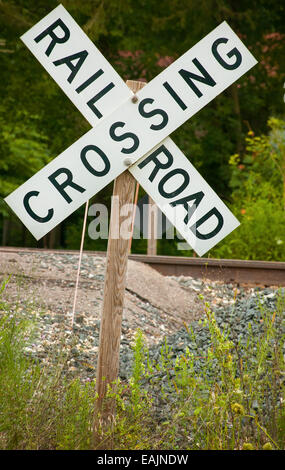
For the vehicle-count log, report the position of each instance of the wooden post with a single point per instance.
(113, 301)
(5, 231)
(152, 228)
(134, 214)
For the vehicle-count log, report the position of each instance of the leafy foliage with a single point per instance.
(258, 184)
(235, 400)
(119, 30)
(24, 151)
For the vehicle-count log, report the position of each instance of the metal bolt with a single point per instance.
(135, 99)
(128, 161)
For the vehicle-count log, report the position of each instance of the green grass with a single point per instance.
(236, 400)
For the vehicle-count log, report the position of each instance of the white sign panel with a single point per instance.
(76, 64)
(184, 197)
(131, 130)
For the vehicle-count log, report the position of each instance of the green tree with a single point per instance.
(24, 151)
(141, 38)
(258, 177)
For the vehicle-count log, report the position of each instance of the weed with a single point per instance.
(233, 400)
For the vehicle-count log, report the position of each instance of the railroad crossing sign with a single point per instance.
(130, 133)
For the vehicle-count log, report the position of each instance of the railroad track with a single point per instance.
(266, 273)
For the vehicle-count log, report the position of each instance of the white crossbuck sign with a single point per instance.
(137, 132)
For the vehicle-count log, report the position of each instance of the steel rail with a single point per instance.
(266, 273)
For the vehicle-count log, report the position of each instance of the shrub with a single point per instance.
(234, 400)
(258, 198)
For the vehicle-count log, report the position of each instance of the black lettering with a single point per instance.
(97, 97)
(126, 135)
(89, 81)
(158, 164)
(233, 53)
(197, 198)
(98, 152)
(154, 112)
(50, 31)
(68, 182)
(190, 76)
(205, 236)
(184, 184)
(79, 56)
(175, 96)
(31, 213)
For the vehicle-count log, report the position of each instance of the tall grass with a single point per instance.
(235, 400)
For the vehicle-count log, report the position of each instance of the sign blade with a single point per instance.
(184, 197)
(77, 66)
(131, 130)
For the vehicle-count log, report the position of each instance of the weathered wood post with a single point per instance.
(113, 300)
(152, 228)
(134, 214)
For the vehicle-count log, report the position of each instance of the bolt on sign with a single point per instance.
(130, 134)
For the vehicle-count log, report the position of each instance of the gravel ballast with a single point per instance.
(42, 289)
